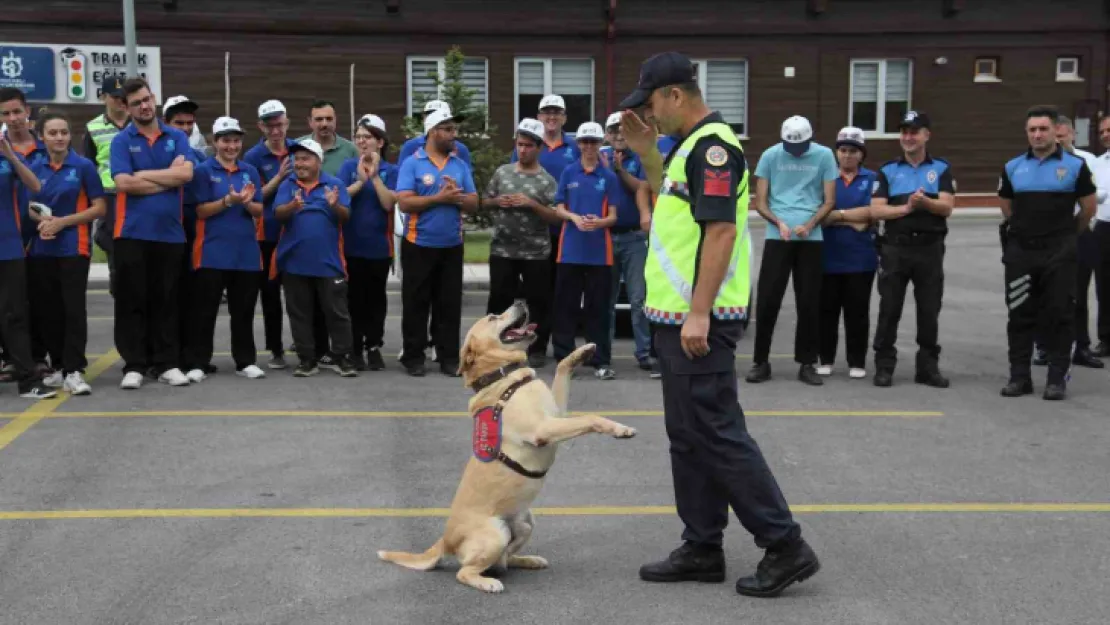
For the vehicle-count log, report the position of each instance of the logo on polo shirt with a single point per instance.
(600, 186)
(216, 178)
(568, 154)
(931, 176)
(71, 176)
(135, 149)
(5, 168)
(1061, 172)
(428, 180)
(246, 178)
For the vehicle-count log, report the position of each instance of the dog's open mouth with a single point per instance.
(518, 331)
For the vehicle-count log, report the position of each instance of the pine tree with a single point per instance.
(475, 131)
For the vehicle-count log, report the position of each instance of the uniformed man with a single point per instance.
(913, 198)
(697, 273)
(99, 133)
(1101, 228)
(1038, 192)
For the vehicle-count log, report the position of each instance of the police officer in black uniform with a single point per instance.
(914, 196)
(1038, 192)
(715, 461)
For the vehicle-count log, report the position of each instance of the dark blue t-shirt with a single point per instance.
(845, 249)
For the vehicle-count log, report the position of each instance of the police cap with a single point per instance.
(667, 68)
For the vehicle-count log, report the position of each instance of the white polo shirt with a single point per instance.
(1100, 168)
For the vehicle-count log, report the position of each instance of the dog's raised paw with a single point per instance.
(623, 431)
(488, 584)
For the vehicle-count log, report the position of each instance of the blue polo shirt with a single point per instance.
(665, 144)
(585, 192)
(440, 225)
(34, 156)
(369, 231)
(408, 148)
(554, 158)
(898, 180)
(311, 242)
(68, 189)
(156, 217)
(845, 249)
(226, 240)
(268, 165)
(796, 184)
(191, 195)
(628, 214)
(1043, 193)
(13, 200)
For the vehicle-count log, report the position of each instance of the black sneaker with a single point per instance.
(1055, 391)
(416, 370)
(808, 374)
(884, 378)
(779, 569)
(36, 390)
(374, 360)
(306, 370)
(760, 372)
(688, 563)
(1086, 358)
(931, 378)
(1017, 388)
(646, 364)
(345, 367)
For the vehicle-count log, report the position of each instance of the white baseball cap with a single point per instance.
(226, 125)
(436, 105)
(372, 121)
(590, 130)
(531, 128)
(850, 135)
(308, 145)
(270, 109)
(437, 117)
(553, 101)
(796, 135)
(614, 120)
(181, 102)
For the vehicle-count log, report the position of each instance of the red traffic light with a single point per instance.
(75, 64)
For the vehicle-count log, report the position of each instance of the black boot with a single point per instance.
(928, 371)
(778, 569)
(1083, 357)
(809, 375)
(884, 377)
(1017, 387)
(688, 563)
(760, 372)
(1056, 386)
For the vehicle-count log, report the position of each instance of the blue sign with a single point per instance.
(29, 69)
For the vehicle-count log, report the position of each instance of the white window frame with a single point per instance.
(880, 104)
(993, 75)
(441, 66)
(702, 82)
(548, 79)
(1062, 76)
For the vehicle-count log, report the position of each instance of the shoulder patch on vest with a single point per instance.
(716, 156)
(716, 183)
(486, 440)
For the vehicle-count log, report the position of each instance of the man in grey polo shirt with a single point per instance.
(322, 120)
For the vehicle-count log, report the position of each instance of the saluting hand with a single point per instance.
(332, 196)
(639, 136)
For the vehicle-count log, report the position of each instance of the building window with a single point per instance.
(880, 94)
(573, 79)
(724, 84)
(422, 85)
(986, 70)
(1067, 69)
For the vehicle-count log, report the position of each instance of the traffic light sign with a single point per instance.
(77, 84)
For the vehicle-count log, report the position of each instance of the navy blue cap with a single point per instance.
(667, 68)
(915, 120)
(112, 85)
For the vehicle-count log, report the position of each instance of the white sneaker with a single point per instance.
(857, 373)
(824, 370)
(195, 375)
(132, 381)
(174, 377)
(251, 372)
(54, 380)
(75, 384)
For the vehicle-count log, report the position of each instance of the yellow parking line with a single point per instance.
(387, 414)
(23, 421)
(228, 513)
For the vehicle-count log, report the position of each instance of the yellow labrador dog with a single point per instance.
(518, 423)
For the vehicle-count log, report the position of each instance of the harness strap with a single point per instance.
(501, 456)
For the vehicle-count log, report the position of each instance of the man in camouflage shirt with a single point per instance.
(521, 196)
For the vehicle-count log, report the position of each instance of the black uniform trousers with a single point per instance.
(148, 276)
(1102, 280)
(103, 237)
(368, 301)
(507, 276)
(59, 316)
(781, 260)
(433, 280)
(186, 295)
(309, 297)
(273, 317)
(1040, 286)
(15, 326)
(921, 263)
(1089, 265)
(582, 290)
(242, 296)
(714, 460)
(850, 293)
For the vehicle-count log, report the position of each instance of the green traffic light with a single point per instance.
(77, 91)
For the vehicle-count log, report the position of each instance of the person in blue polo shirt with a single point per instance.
(14, 320)
(434, 188)
(150, 162)
(368, 239)
(629, 239)
(271, 158)
(586, 199)
(225, 254)
(849, 259)
(58, 263)
(312, 207)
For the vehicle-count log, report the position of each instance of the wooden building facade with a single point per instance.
(973, 65)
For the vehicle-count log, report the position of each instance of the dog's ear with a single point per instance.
(466, 357)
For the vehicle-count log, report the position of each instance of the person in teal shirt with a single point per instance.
(795, 190)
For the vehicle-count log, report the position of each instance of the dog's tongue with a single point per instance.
(531, 328)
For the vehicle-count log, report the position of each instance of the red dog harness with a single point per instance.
(486, 439)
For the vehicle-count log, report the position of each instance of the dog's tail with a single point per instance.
(417, 561)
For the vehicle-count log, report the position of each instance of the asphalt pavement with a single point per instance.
(264, 501)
